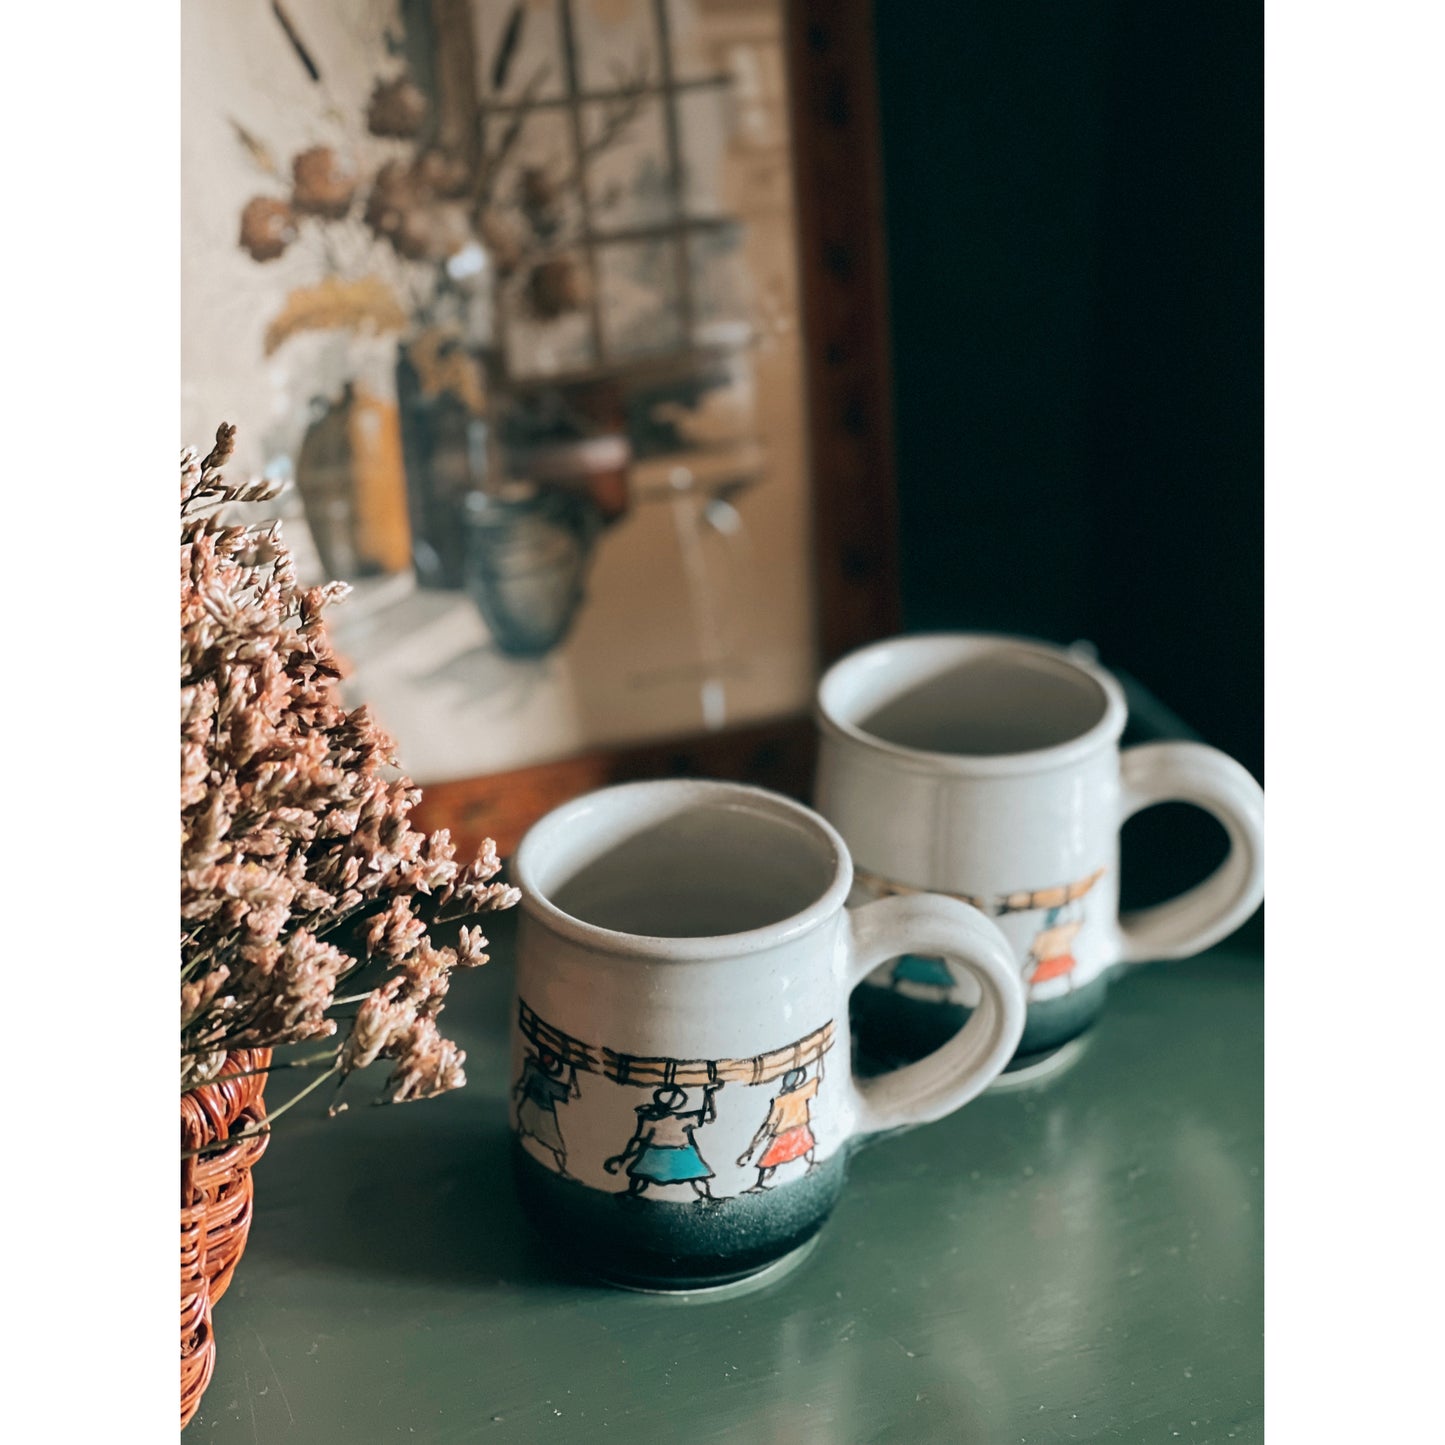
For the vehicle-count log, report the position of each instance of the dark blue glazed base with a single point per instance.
(661, 1245)
(891, 1029)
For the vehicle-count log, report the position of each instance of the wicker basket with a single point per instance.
(216, 1196)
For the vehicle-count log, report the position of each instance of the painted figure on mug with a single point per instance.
(787, 1132)
(1050, 957)
(663, 1147)
(915, 973)
(538, 1093)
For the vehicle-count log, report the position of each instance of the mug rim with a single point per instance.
(689, 791)
(1103, 733)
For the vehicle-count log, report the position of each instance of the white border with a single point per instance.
(92, 251)
(1355, 321)
(1354, 258)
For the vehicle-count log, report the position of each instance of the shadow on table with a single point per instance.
(413, 1194)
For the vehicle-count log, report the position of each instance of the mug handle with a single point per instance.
(1192, 773)
(949, 1077)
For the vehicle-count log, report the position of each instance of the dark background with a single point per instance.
(1074, 209)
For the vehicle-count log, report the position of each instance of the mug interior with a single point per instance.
(681, 860)
(980, 700)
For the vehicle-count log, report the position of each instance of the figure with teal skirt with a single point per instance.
(929, 974)
(663, 1149)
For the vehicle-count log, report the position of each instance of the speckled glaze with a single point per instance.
(666, 1244)
(988, 768)
(683, 1098)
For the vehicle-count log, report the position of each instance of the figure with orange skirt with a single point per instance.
(1050, 962)
(787, 1132)
(1051, 954)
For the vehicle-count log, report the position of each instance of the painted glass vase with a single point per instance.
(527, 553)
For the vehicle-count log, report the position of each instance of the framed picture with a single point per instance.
(565, 321)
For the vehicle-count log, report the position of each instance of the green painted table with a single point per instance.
(1077, 1259)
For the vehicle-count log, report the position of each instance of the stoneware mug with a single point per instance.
(988, 768)
(683, 1099)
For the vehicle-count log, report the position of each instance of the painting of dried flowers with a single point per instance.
(504, 294)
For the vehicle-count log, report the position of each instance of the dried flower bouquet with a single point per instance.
(299, 867)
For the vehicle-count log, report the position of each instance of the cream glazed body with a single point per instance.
(1022, 817)
(683, 1096)
(987, 838)
(639, 1008)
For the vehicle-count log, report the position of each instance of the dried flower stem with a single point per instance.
(271, 1116)
(491, 165)
(299, 865)
(312, 1061)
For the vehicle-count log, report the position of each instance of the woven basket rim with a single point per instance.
(216, 1202)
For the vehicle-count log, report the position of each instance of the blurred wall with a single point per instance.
(1074, 214)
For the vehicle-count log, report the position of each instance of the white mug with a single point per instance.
(988, 768)
(683, 1092)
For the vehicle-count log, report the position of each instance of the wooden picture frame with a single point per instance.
(843, 276)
